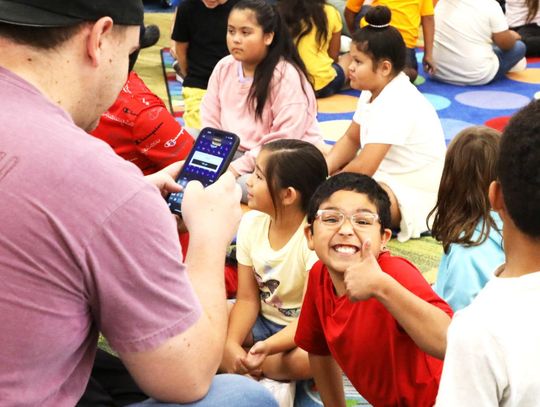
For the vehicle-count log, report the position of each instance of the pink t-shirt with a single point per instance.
(290, 110)
(86, 245)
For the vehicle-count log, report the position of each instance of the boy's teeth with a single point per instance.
(346, 249)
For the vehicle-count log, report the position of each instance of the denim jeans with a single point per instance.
(507, 59)
(226, 390)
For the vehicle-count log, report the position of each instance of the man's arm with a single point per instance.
(181, 369)
(327, 375)
(505, 40)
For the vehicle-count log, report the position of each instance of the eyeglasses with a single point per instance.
(333, 218)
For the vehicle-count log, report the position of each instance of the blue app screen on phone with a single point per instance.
(205, 162)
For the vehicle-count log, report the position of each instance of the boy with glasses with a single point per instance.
(389, 343)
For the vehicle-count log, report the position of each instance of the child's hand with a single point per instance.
(232, 359)
(256, 356)
(363, 278)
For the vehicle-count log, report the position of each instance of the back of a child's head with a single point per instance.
(354, 182)
(281, 48)
(462, 201)
(379, 40)
(302, 15)
(518, 169)
(294, 163)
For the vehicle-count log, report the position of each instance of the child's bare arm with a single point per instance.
(369, 159)
(180, 49)
(327, 375)
(428, 29)
(345, 149)
(424, 323)
(241, 319)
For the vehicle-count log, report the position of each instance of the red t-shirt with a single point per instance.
(379, 358)
(140, 129)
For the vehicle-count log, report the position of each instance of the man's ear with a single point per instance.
(495, 195)
(94, 45)
(309, 236)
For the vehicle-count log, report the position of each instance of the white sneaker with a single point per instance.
(520, 66)
(282, 391)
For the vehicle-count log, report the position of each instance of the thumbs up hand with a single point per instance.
(364, 277)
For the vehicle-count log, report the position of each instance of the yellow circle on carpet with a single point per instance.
(537, 95)
(529, 75)
(337, 104)
(333, 129)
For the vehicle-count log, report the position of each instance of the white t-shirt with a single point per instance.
(516, 13)
(493, 352)
(412, 167)
(280, 274)
(463, 45)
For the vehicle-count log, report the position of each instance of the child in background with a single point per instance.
(463, 221)
(473, 44)
(523, 17)
(316, 29)
(260, 91)
(199, 33)
(493, 355)
(383, 342)
(406, 17)
(273, 263)
(398, 131)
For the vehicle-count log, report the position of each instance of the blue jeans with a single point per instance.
(226, 390)
(335, 84)
(507, 59)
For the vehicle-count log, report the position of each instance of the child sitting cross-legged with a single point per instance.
(365, 312)
(273, 263)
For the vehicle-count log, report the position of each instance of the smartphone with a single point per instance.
(208, 159)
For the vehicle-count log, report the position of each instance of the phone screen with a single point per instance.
(208, 159)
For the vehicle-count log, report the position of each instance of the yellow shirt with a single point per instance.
(280, 274)
(318, 62)
(406, 15)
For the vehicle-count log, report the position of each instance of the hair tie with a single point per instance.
(380, 26)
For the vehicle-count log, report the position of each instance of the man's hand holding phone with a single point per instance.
(213, 212)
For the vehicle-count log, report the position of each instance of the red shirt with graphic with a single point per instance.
(375, 353)
(140, 129)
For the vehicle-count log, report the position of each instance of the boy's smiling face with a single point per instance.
(338, 247)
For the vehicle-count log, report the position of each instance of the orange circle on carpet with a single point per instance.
(529, 75)
(337, 104)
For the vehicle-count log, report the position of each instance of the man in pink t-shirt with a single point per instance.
(87, 244)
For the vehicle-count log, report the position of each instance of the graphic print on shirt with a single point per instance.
(267, 291)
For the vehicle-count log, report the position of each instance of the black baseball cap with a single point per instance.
(63, 13)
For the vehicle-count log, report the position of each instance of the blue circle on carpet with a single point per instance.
(488, 99)
(438, 102)
(451, 127)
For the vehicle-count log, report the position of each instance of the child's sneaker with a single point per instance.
(282, 391)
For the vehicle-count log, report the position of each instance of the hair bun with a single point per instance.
(379, 16)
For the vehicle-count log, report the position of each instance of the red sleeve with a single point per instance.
(162, 139)
(410, 277)
(310, 332)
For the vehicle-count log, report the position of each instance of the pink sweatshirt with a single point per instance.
(290, 112)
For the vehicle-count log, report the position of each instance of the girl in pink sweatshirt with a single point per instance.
(260, 91)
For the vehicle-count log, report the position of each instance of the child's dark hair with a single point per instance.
(350, 181)
(381, 41)
(294, 163)
(282, 47)
(518, 169)
(302, 15)
(462, 202)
